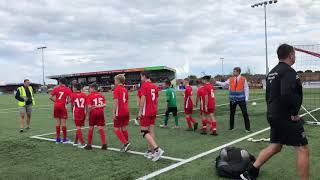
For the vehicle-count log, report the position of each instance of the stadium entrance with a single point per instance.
(105, 78)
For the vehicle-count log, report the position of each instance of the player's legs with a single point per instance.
(79, 135)
(125, 132)
(175, 116)
(188, 116)
(233, 107)
(21, 121)
(213, 124)
(90, 135)
(120, 135)
(166, 118)
(146, 133)
(58, 124)
(243, 107)
(303, 162)
(64, 130)
(267, 153)
(102, 137)
(28, 119)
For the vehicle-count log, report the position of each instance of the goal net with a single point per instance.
(308, 67)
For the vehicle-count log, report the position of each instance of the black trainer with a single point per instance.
(21, 130)
(195, 126)
(125, 147)
(104, 147)
(247, 176)
(88, 147)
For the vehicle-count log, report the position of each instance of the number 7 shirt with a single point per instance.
(121, 93)
(150, 91)
(61, 94)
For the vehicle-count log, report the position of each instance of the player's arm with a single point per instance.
(223, 84)
(246, 90)
(52, 98)
(206, 99)
(142, 101)
(115, 104)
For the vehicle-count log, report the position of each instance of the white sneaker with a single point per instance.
(157, 155)
(76, 144)
(81, 146)
(136, 122)
(148, 154)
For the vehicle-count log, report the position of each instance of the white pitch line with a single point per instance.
(134, 119)
(112, 149)
(173, 166)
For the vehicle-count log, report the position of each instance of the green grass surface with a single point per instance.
(24, 158)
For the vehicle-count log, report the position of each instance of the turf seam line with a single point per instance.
(70, 130)
(113, 149)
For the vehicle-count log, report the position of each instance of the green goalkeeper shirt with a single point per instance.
(171, 97)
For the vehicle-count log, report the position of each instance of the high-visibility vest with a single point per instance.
(236, 90)
(23, 94)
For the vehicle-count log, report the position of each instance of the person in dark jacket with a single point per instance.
(25, 98)
(284, 98)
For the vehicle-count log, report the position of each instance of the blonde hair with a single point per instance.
(121, 78)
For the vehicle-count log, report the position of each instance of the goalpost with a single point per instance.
(308, 67)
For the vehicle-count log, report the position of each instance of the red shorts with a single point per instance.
(97, 119)
(188, 110)
(79, 118)
(210, 111)
(146, 121)
(60, 112)
(121, 121)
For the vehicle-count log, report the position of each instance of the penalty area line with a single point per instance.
(113, 149)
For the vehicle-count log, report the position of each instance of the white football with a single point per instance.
(254, 104)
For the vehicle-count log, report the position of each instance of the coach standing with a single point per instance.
(284, 98)
(26, 100)
(238, 94)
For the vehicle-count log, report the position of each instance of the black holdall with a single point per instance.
(232, 162)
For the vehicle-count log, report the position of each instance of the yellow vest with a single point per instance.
(23, 94)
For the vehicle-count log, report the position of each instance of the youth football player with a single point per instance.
(60, 96)
(96, 103)
(147, 113)
(188, 106)
(136, 121)
(209, 105)
(121, 112)
(171, 106)
(78, 107)
(200, 101)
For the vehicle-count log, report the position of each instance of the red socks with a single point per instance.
(121, 136)
(192, 120)
(126, 134)
(79, 136)
(58, 131)
(189, 123)
(213, 125)
(90, 133)
(102, 136)
(64, 130)
(204, 122)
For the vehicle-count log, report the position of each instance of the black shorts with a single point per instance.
(287, 132)
(173, 110)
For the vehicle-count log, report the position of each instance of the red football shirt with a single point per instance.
(139, 93)
(188, 104)
(61, 93)
(121, 93)
(209, 91)
(95, 99)
(78, 99)
(150, 91)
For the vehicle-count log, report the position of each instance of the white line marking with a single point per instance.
(173, 166)
(112, 149)
(134, 119)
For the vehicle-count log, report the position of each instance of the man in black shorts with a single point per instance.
(284, 98)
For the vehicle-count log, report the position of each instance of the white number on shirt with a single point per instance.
(153, 94)
(124, 97)
(60, 95)
(172, 95)
(80, 102)
(98, 101)
(212, 93)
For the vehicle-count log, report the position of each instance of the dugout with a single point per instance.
(105, 79)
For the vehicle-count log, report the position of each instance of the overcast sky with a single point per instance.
(190, 35)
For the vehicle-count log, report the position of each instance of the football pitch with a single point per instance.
(188, 155)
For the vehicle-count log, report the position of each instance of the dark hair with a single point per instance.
(146, 74)
(62, 80)
(26, 80)
(237, 69)
(94, 86)
(284, 50)
(187, 79)
(78, 86)
(207, 78)
(168, 82)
